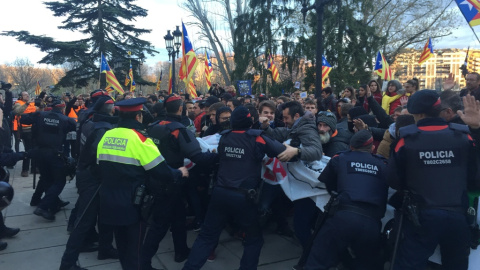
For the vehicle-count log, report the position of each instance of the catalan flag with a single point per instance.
(38, 89)
(271, 66)
(427, 52)
(111, 79)
(208, 70)
(326, 68)
(470, 10)
(159, 81)
(191, 90)
(133, 86)
(127, 80)
(382, 68)
(132, 82)
(170, 81)
(189, 58)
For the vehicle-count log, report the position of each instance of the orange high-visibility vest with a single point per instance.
(30, 109)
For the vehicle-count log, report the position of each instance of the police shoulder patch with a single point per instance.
(140, 135)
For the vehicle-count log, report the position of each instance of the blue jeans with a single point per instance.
(346, 229)
(439, 227)
(227, 203)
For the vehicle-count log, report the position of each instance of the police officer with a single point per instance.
(88, 182)
(434, 163)
(358, 177)
(6, 196)
(7, 158)
(127, 158)
(241, 151)
(176, 143)
(50, 129)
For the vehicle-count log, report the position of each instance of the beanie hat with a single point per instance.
(211, 100)
(328, 118)
(241, 118)
(422, 101)
(356, 112)
(361, 139)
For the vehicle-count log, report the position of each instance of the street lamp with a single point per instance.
(318, 6)
(173, 43)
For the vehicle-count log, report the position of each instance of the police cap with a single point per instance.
(57, 104)
(422, 101)
(131, 105)
(241, 118)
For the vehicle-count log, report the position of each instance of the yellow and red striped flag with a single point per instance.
(427, 52)
(127, 80)
(38, 89)
(111, 79)
(191, 90)
(382, 68)
(159, 81)
(132, 82)
(170, 81)
(271, 66)
(189, 58)
(208, 70)
(326, 68)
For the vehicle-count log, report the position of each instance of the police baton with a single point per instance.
(77, 220)
(318, 225)
(399, 231)
(34, 173)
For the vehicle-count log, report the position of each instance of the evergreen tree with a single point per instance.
(349, 44)
(106, 25)
(255, 36)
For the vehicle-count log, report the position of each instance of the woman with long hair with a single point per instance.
(391, 99)
(376, 90)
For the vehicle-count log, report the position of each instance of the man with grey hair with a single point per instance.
(451, 102)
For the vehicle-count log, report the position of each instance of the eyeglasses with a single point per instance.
(326, 113)
(224, 118)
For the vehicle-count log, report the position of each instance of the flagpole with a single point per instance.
(474, 33)
(100, 73)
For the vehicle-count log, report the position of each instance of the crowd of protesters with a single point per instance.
(393, 138)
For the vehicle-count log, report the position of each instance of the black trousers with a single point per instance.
(169, 212)
(85, 225)
(28, 145)
(129, 244)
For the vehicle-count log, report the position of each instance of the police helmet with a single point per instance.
(6, 194)
(4, 175)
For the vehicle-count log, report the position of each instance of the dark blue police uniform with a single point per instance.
(176, 143)
(88, 182)
(50, 130)
(241, 152)
(436, 163)
(359, 179)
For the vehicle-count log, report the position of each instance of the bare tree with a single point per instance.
(406, 23)
(24, 75)
(219, 12)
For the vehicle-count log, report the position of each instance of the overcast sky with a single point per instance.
(163, 15)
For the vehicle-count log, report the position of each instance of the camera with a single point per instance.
(5, 86)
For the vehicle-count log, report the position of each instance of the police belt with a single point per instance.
(358, 210)
(246, 192)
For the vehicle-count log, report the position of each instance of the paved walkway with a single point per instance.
(40, 243)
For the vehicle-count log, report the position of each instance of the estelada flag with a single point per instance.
(111, 79)
(208, 70)
(427, 52)
(326, 68)
(271, 66)
(382, 68)
(189, 58)
(470, 10)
